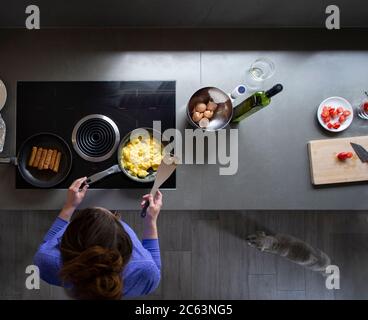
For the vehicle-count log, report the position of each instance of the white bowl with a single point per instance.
(336, 102)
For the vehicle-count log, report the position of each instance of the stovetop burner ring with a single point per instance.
(95, 137)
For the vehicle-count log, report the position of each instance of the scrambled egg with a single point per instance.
(141, 154)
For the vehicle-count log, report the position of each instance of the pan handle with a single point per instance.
(9, 160)
(100, 175)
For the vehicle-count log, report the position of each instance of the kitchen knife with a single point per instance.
(165, 169)
(360, 151)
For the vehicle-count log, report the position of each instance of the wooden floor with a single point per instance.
(205, 255)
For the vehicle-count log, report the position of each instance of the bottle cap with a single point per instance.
(238, 91)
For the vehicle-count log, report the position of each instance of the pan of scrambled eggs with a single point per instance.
(139, 155)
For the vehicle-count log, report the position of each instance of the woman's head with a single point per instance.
(94, 249)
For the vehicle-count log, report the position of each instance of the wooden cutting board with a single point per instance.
(326, 168)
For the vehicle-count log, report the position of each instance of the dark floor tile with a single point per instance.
(205, 259)
(317, 233)
(177, 275)
(348, 222)
(175, 231)
(291, 295)
(233, 266)
(262, 287)
(351, 256)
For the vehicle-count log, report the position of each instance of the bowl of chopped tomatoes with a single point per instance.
(335, 114)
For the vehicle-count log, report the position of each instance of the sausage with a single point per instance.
(33, 156)
(57, 162)
(42, 160)
(53, 158)
(38, 158)
(48, 159)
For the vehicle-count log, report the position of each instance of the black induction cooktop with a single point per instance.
(60, 107)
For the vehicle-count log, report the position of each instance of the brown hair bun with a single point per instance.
(96, 272)
(95, 249)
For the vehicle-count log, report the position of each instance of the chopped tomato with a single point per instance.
(340, 110)
(329, 125)
(332, 112)
(336, 125)
(365, 106)
(327, 119)
(344, 155)
(347, 113)
(325, 114)
(342, 119)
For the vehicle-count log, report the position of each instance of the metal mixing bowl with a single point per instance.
(222, 115)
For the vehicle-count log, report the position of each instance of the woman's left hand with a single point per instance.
(74, 198)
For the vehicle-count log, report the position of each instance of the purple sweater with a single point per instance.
(141, 275)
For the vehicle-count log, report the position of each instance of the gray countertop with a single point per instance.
(273, 169)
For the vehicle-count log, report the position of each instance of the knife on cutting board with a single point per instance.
(361, 152)
(326, 168)
(164, 171)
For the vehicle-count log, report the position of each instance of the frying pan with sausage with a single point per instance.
(42, 178)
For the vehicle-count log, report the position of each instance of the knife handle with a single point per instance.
(144, 209)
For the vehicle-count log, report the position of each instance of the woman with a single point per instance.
(94, 255)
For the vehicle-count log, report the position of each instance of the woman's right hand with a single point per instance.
(76, 193)
(75, 196)
(155, 204)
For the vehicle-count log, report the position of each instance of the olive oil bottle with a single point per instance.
(254, 103)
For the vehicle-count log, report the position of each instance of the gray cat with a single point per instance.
(292, 249)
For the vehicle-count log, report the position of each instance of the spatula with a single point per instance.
(164, 171)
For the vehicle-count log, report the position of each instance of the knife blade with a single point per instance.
(360, 151)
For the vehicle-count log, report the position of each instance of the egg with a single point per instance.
(208, 114)
(204, 123)
(197, 116)
(211, 106)
(200, 107)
